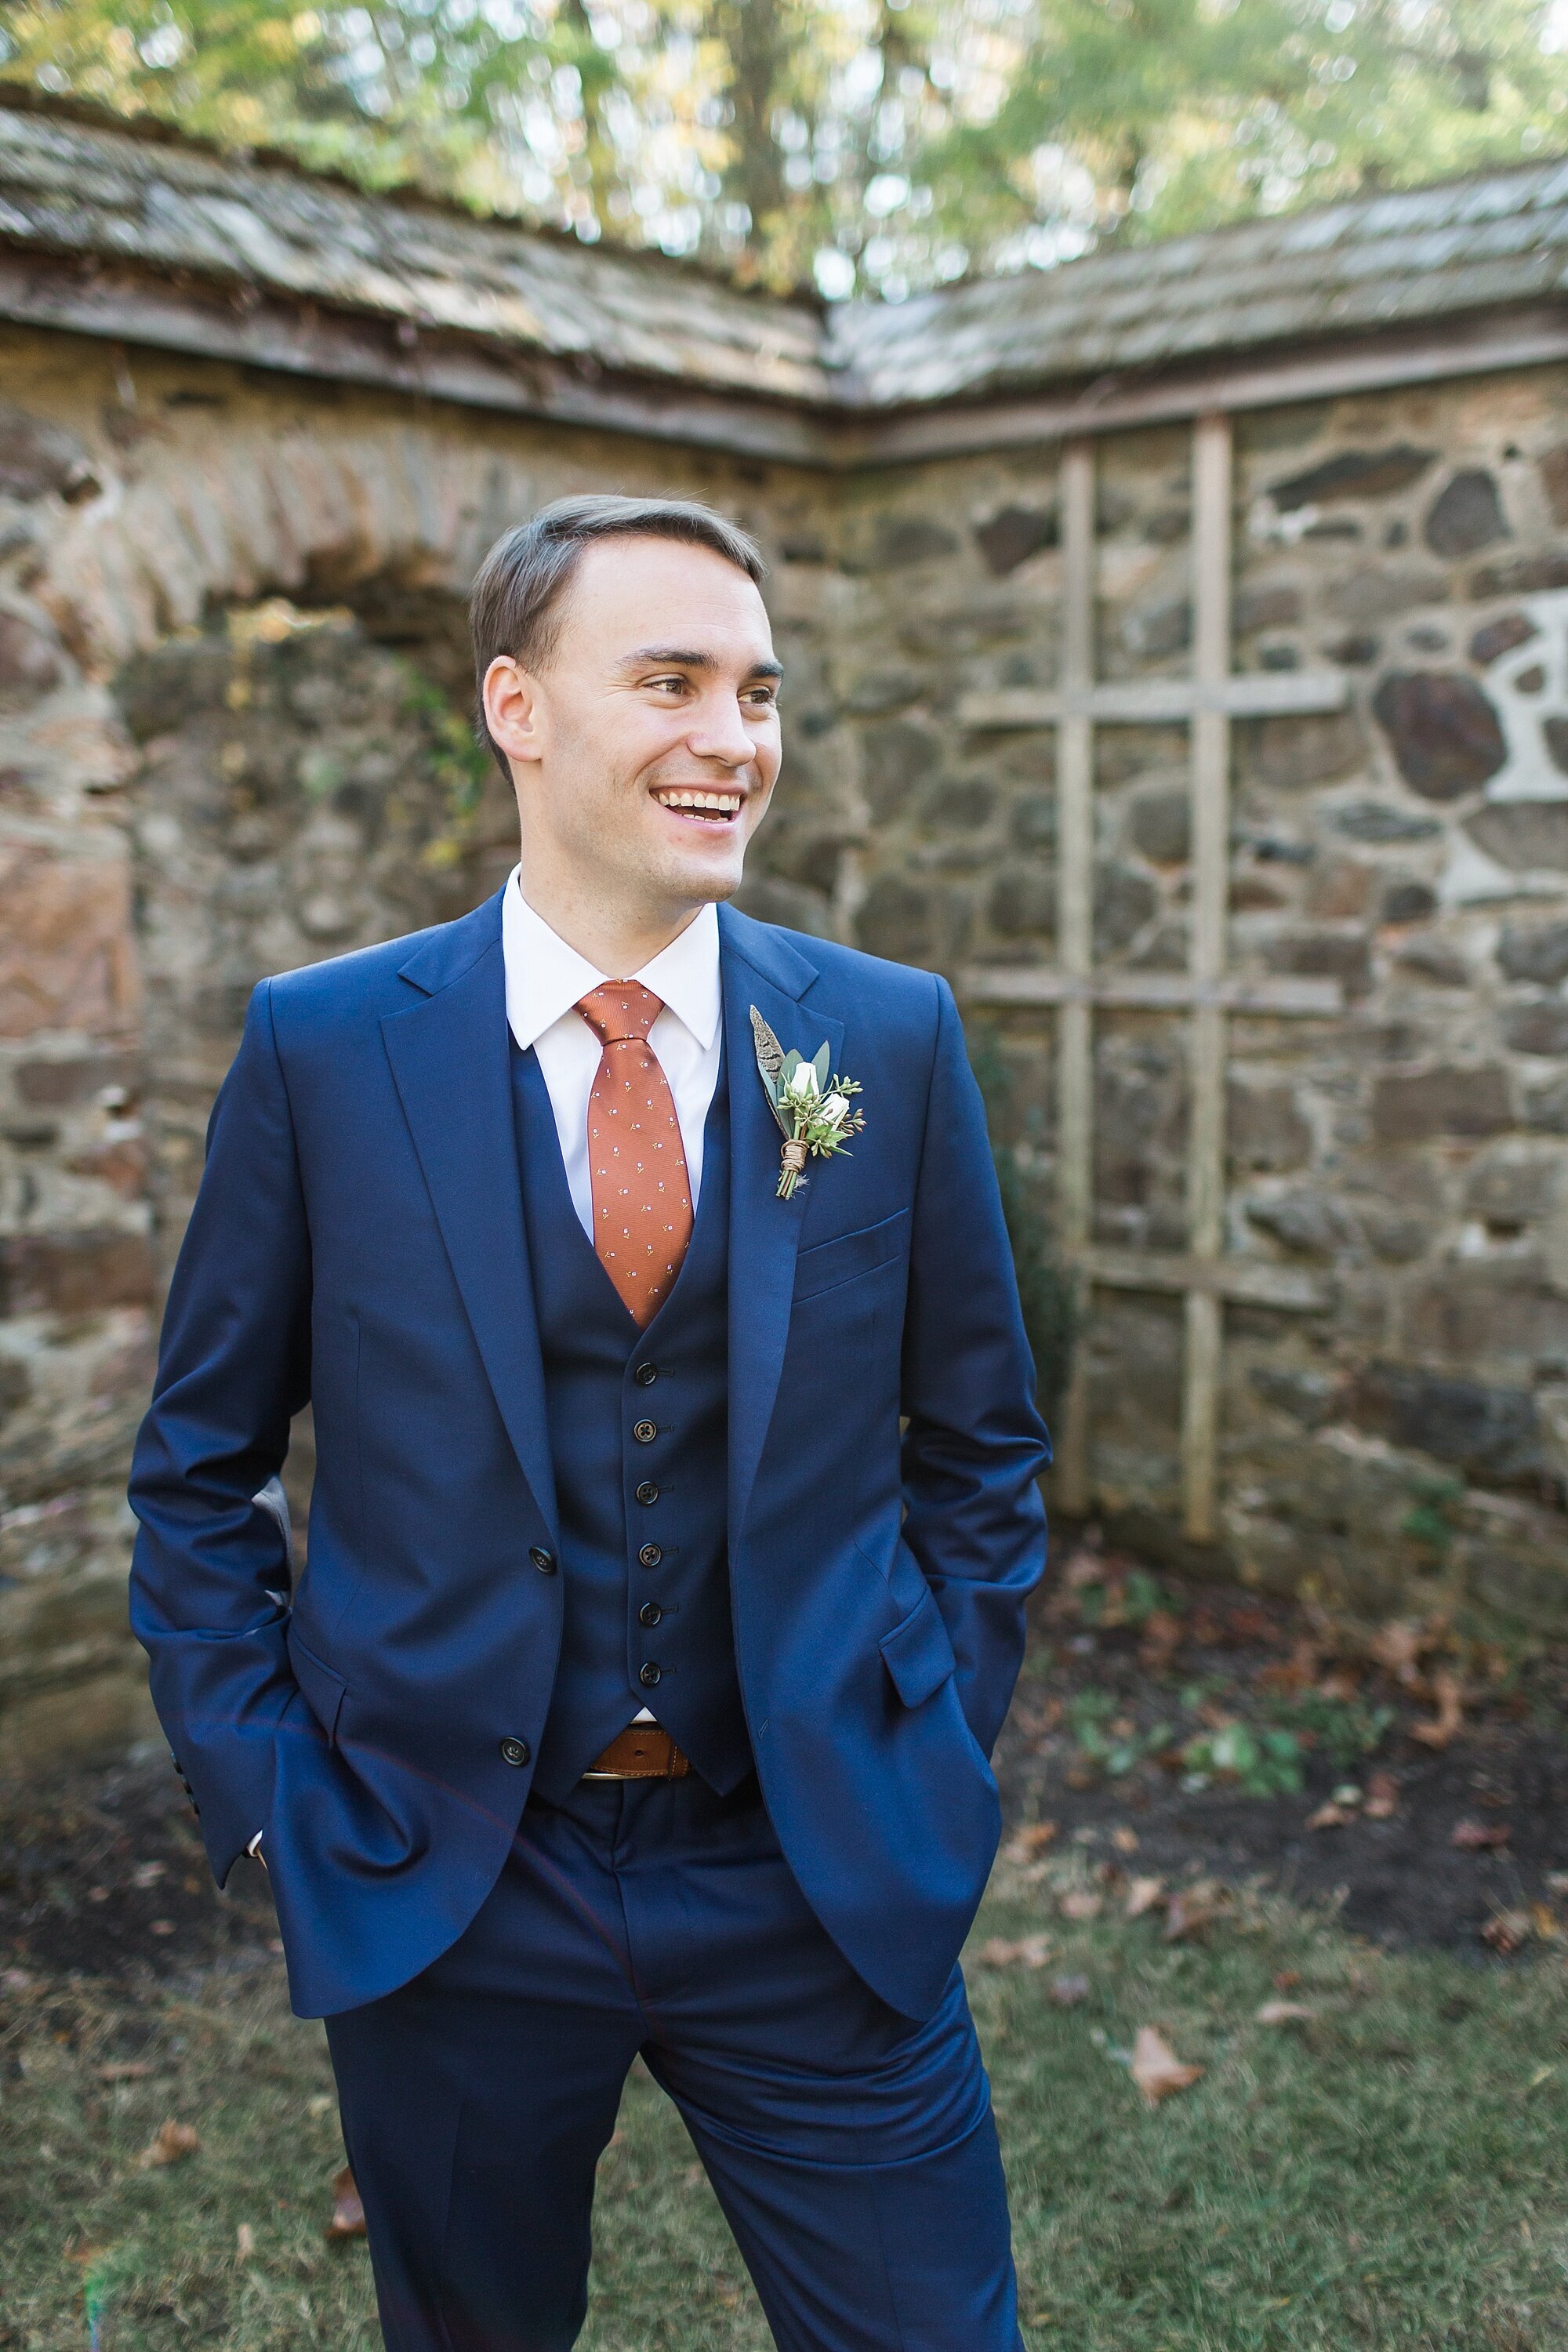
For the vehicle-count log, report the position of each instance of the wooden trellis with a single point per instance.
(1205, 702)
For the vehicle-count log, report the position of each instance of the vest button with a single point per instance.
(646, 1375)
(647, 1492)
(644, 1432)
(650, 1613)
(650, 1555)
(544, 1562)
(515, 1751)
(649, 1674)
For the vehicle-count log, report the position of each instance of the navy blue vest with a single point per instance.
(638, 1437)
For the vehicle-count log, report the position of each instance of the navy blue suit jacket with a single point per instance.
(358, 1242)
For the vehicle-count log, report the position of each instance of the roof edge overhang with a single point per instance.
(141, 308)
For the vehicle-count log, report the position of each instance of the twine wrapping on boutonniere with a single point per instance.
(813, 1111)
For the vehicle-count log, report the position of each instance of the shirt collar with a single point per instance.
(545, 978)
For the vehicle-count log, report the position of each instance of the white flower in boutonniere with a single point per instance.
(814, 1111)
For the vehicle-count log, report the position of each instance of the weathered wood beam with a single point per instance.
(144, 307)
(1210, 756)
(1149, 991)
(1477, 342)
(1075, 930)
(1138, 702)
(1246, 1281)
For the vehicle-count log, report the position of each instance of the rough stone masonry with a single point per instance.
(233, 739)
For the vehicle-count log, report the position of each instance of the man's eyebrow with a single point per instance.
(683, 657)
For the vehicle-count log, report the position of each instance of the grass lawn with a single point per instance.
(1389, 2173)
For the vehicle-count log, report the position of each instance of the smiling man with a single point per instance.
(673, 1521)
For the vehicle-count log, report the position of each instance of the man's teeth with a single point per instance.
(701, 803)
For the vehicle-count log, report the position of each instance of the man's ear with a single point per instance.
(510, 697)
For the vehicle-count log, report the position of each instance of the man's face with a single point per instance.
(646, 748)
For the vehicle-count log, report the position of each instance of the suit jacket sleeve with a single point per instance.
(210, 1576)
(974, 1444)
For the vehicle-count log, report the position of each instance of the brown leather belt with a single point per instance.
(644, 1751)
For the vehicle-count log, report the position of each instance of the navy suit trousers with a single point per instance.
(852, 2149)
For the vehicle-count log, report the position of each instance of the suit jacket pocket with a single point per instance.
(324, 1689)
(827, 1263)
(918, 1654)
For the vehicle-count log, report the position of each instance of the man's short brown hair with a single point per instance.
(514, 606)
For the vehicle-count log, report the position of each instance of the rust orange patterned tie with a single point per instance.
(637, 1161)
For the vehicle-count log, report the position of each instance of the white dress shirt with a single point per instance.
(546, 979)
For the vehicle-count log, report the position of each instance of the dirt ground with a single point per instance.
(1449, 1755)
(1141, 1731)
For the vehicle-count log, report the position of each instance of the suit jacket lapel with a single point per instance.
(450, 1057)
(758, 967)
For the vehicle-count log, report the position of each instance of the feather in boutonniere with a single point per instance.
(812, 1110)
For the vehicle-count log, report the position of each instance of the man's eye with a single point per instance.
(666, 684)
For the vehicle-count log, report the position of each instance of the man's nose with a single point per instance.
(719, 732)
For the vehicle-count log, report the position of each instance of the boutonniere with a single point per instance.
(813, 1111)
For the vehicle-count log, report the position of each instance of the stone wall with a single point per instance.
(232, 696)
(1410, 1444)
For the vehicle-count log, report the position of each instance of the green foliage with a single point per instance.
(1427, 1521)
(876, 144)
(1345, 1729)
(1045, 1290)
(1127, 1599)
(1264, 1763)
(457, 761)
(1090, 1715)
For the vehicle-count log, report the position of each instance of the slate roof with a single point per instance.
(106, 195)
(1377, 262)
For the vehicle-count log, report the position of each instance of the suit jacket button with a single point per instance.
(646, 1375)
(650, 1555)
(544, 1562)
(644, 1432)
(515, 1751)
(647, 1492)
(649, 1674)
(650, 1613)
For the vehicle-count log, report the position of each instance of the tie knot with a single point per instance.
(621, 1009)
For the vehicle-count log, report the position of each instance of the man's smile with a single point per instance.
(710, 806)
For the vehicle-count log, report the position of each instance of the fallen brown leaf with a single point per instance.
(1079, 1904)
(1450, 1718)
(1339, 1684)
(1382, 1797)
(1124, 1839)
(244, 2243)
(1161, 1639)
(1287, 1980)
(1285, 2013)
(1190, 1909)
(348, 2213)
(1475, 1837)
(1142, 1894)
(1082, 1567)
(1067, 1991)
(1030, 1841)
(1029, 1951)
(169, 2145)
(1156, 2069)
(1507, 1930)
(1397, 1648)
(1328, 1817)
(1546, 1923)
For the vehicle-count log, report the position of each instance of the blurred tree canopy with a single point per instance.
(869, 145)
